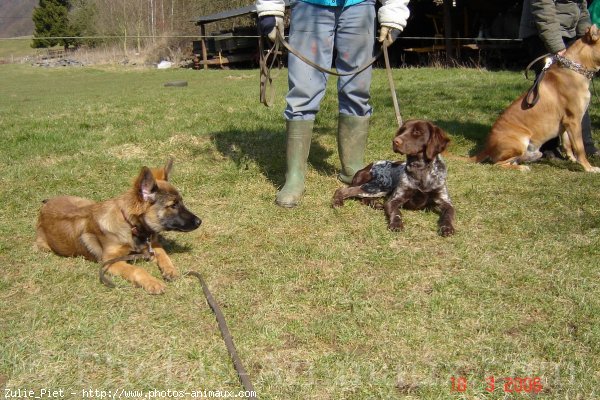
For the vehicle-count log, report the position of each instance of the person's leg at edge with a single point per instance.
(354, 43)
(586, 132)
(311, 33)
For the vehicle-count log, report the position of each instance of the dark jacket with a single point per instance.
(554, 20)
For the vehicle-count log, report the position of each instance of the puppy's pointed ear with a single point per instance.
(168, 168)
(145, 185)
(593, 34)
(438, 142)
(163, 174)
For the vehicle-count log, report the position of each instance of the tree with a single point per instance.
(51, 20)
(126, 21)
(81, 20)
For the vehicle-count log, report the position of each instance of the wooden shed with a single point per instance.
(222, 48)
(449, 29)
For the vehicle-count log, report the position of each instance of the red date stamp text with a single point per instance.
(506, 384)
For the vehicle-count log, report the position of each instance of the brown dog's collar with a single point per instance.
(574, 66)
(533, 96)
(134, 229)
(138, 231)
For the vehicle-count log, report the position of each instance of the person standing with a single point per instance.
(550, 26)
(317, 29)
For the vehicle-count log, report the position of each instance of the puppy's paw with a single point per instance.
(153, 285)
(396, 225)
(166, 267)
(446, 230)
(338, 199)
(374, 204)
(170, 274)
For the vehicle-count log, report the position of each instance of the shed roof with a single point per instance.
(205, 19)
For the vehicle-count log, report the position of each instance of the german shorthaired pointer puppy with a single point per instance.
(418, 183)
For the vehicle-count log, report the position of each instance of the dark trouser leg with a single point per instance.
(586, 133)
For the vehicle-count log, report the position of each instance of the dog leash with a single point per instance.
(265, 71)
(237, 363)
(266, 82)
(140, 232)
(146, 255)
(388, 69)
(533, 95)
(329, 71)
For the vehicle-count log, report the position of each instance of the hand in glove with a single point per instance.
(269, 25)
(387, 35)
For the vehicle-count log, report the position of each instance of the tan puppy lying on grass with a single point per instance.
(111, 229)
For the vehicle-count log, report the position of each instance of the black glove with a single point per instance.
(270, 26)
(266, 24)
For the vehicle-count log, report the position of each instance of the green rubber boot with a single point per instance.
(352, 141)
(299, 134)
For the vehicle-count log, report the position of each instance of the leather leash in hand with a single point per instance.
(388, 69)
(266, 82)
(265, 71)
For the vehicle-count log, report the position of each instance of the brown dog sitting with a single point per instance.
(112, 229)
(418, 183)
(563, 98)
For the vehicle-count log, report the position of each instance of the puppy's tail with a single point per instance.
(449, 156)
(482, 156)
(475, 159)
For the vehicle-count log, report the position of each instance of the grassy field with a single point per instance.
(15, 48)
(322, 303)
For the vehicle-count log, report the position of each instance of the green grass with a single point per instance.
(16, 48)
(322, 303)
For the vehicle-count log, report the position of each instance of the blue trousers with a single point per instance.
(316, 31)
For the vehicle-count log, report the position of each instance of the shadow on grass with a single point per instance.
(470, 131)
(568, 164)
(172, 247)
(267, 149)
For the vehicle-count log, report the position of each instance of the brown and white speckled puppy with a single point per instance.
(73, 226)
(418, 183)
